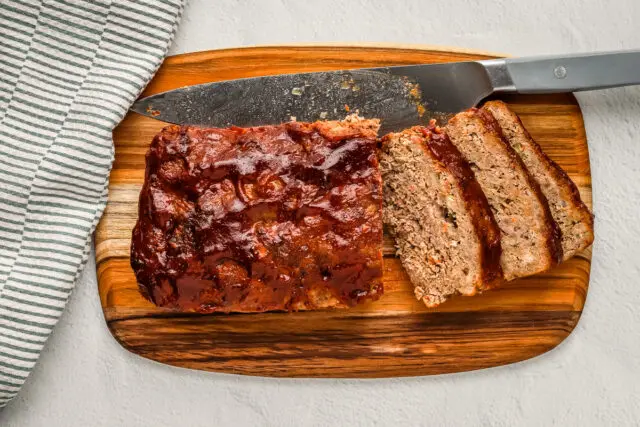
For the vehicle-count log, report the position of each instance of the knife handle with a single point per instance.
(565, 73)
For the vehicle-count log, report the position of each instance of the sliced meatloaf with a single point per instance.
(285, 217)
(568, 210)
(530, 238)
(446, 235)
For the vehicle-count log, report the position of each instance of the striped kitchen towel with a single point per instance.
(69, 70)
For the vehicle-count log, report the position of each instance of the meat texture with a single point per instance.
(445, 232)
(530, 237)
(568, 210)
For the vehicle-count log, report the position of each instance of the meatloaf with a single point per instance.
(568, 210)
(284, 217)
(530, 237)
(446, 235)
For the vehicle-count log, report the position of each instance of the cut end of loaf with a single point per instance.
(521, 210)
(574, 219)
(445, 233)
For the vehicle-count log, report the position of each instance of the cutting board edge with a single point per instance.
(309, 373)
(348, 45)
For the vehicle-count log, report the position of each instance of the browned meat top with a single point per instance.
(269, 218)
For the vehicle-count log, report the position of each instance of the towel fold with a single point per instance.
(69, 70)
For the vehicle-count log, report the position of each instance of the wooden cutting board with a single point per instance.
(395, 336)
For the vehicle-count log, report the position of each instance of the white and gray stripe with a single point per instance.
(69, 71)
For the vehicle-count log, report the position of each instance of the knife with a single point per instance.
(400, 96)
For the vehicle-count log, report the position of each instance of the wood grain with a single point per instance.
(395, 336)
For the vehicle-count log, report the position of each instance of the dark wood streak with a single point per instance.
(395, 336)
(427, 342)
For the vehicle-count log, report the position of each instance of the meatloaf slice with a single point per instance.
(568, 210)
(284, 217)
(530, 237)
(445, 233)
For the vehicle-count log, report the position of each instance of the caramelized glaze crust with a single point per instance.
(281, 217)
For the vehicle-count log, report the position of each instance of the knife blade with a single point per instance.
(400, 96)
(394, 94)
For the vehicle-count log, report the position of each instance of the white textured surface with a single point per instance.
(84, 378)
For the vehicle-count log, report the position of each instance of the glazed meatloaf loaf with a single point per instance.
(446, 236)
(568, 210)
(284, 217)
(530, 237)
